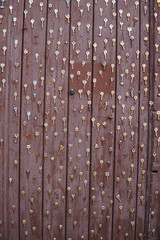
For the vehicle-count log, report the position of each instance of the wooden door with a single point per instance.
(79, 117)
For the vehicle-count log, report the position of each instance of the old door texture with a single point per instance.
(80, 119)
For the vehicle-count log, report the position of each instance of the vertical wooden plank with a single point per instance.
(150, 123)
(154, 227)
(56, 104)
(32, 120)
(103, 120)
(11, 85)
(126, 119)
(14, 78)
(154, 215)
(4, 99)
(143, 118)
(78, 178)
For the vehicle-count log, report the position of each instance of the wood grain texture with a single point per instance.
(56, 114)
(79, 109)
(79, 119)
(32, 102)
(103, 111)
(127, 111)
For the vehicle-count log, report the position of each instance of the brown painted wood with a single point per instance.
(156, 56)
(125, 191)
(68, 194)
(55, 149)
(103, 111)
(31, 160)
(78, 157)
(151, 93)
(16, 34)
(154, 215)
(4, 99)
(143, 120)
(10, 88)
(154, 227)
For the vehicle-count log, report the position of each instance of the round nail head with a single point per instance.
(71, 92)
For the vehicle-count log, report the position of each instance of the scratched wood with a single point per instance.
(103, 117)
(56, 106)
(32, 102)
